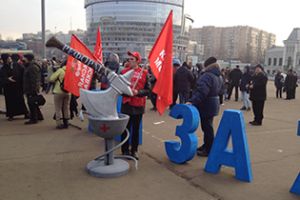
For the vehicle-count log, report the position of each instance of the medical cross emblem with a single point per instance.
(104, 128)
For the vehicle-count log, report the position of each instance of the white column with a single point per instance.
(295, 56)
(283, 58)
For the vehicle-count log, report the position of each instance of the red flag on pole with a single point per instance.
(160, 59)
(78, 75)
(98, 47)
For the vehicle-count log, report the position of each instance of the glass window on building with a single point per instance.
(280, 61)
(270, 61)
(289, 62)
(274, 61)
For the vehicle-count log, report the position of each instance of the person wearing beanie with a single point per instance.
(176, 65)
(61, 98)
(234, 81)
(29, 57)
(31, 87)
(258, 94)
(209, 61)
(15, 57)
(183, 82)
(244, 83)
(5, 58)
(205, 98)
(290, 84)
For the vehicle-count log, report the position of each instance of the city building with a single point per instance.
(194, 52)
(13, 45)
(243, 43)
(287, 57)
(274, 60)
(33, 41)
(135, 24)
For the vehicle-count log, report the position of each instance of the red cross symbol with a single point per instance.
(104, 128)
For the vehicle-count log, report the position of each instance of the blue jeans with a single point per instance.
(245, 98)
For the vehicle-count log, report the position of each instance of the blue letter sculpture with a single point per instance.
(232, 123)
(181, 152)
(296, 186)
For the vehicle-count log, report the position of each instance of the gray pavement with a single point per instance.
(40, 162)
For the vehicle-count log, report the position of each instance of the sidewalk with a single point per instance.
(40, 162)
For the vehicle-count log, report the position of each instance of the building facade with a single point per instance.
(274, 60)
(243, 43)
(287, 57)
(135, 24)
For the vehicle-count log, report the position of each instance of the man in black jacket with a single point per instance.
(234, 81)
(290, 85)
(184, 80)
(258, 94)
(31, 86)
(279, 80)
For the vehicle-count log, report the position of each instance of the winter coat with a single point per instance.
(32, 78)
(57, 78)
(135, 105)
(279, 80)
(206, 94)
(235, 76)
(245, 80)
(259, 90)
(290, 81)
(183, 79)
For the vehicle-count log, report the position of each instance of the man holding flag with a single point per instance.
(134, 106)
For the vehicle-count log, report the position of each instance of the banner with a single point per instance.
(78, 75)
(160, 60)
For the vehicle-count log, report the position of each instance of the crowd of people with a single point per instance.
(205, 86)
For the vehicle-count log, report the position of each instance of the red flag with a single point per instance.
(98, 47)
(78, 75)
(160, 59)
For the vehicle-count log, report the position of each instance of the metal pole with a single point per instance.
(43, 29)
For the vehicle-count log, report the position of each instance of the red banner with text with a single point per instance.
(78, 75)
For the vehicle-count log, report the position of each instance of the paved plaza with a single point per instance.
(40, 162)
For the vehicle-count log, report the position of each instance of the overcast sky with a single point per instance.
(278, 17)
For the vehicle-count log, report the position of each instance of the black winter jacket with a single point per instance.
(259, 90)
(32, 79)
(206, 94)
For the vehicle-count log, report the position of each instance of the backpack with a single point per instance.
(62, 85)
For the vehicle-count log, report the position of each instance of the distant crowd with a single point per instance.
(204, 85)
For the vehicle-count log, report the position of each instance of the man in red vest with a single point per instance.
(135, 106)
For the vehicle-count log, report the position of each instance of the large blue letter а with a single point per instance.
(296, 186)
(232, 124)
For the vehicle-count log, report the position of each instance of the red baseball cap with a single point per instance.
(136, 55)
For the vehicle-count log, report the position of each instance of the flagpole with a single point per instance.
(43, 29)
(140, 74)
